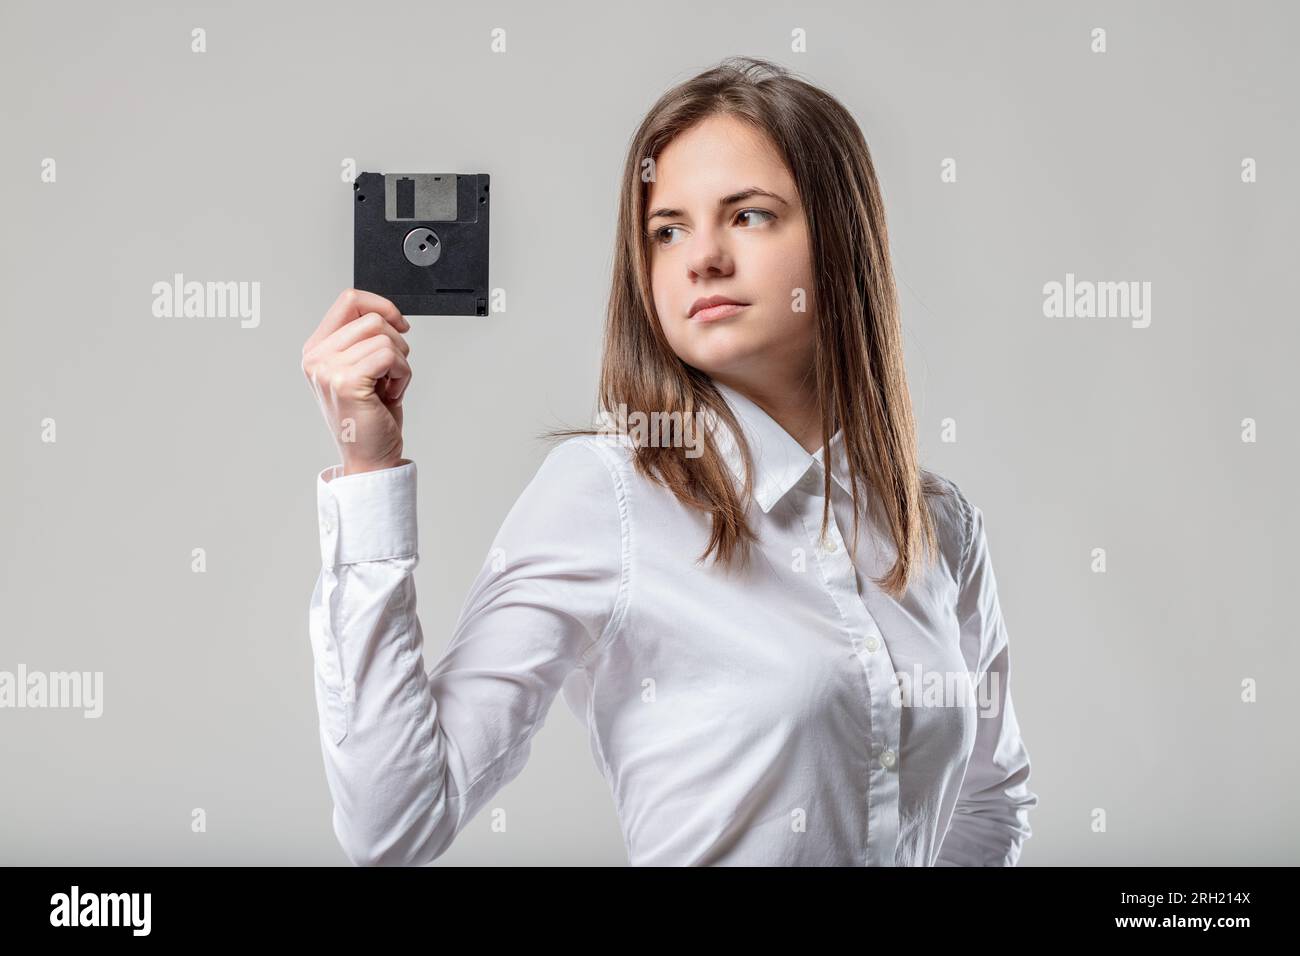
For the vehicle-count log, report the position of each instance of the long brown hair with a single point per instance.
(860, 377)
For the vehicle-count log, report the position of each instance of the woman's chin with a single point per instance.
(719, 360)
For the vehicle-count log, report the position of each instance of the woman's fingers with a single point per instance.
(350, 305)
(376, 359)
(367, 326)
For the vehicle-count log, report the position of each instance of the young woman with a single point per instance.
(781, 656)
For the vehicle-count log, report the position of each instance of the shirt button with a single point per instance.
(830, 546)
(872, 644)
(887, 759)
(326, 525)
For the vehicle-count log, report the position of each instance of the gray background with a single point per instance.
(1072, 433)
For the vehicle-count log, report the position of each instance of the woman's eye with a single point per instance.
(751, 212)
(661, 235)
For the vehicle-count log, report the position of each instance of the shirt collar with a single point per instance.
(779, 460)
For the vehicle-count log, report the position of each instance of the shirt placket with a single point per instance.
(867, 644)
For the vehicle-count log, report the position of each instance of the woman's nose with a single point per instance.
(709, 256)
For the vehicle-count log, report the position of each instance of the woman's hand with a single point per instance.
(356, 362)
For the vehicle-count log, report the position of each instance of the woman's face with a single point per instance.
(707, 239)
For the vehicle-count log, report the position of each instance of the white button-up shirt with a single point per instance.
(792, 713)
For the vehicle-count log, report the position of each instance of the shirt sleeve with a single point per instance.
(412, 756)
(990, 821)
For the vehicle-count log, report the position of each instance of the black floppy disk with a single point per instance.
(421, 241)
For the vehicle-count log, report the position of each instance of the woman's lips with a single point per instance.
(713, 313)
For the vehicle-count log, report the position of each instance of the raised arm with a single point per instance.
(411, 757)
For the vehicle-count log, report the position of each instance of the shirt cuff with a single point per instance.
(368, 516)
